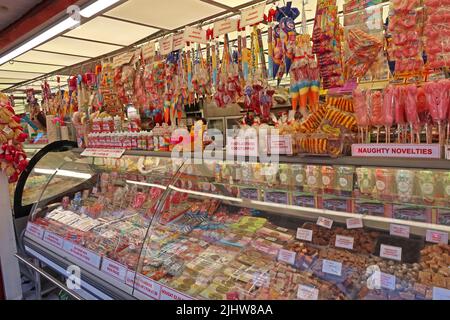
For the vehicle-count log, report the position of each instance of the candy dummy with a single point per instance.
(412, 115)
(388, 110)
(361, 112)
(437, 97)
(424, 114)
(376, 112)
(399, 110)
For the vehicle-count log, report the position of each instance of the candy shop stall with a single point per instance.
(269, 150)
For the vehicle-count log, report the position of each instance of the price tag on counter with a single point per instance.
(53, 239)
(286, 256)
(324, 222)
(170, 294)
(148, 287)
(114, 269)
(344, 242)
(441, 294)
(304, 234)
(332, 267)
(354, 223)
(391, 252)
(399, 230)
(437, 237)
(387, 281)
(35, 230)
(103, 153)
(82, 253)
(307, 293)
(129, 278)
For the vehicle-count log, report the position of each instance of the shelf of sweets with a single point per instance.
(233, 253)
(410, 163)
(192, 229)
(202, 231)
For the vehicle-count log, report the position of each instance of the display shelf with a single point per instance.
(441, 164)
(312, 214)
(178, 220)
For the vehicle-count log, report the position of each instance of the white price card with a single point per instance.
(307, 293)
(344, 242)
(279, 144)
(354, 223)
(286, 256)
(437, 237)
(332, 267)
(53, 239)
(399, 230)
(225, 26)
(391, 252)
(149, 50)
(195, 35)
(165, 45)
(83, 254)
(170, 294)
(324, 222)
(304, 234)
(35, 230)
(114, 269)
(242, 146)
(148, 286)
(129, 279)
(103, 153)
(441, 293)
(387, 281)
(178, 42)
(252, 15)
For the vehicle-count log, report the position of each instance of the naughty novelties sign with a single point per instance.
(429, 151)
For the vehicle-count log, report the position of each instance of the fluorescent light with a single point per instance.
(204, 194)
(41, 38)
(64, 173)
(140, 183)
(96, 7)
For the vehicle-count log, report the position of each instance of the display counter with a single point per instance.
(148, 226)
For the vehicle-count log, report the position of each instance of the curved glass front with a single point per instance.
(159, 228)
(102, 213)
(228, 230)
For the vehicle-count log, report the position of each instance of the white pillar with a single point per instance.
(9, 264)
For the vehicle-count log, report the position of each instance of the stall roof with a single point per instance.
(128, 23)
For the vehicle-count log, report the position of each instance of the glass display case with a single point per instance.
(151, 227)
(42, 163)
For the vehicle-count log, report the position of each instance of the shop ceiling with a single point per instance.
(122, 26)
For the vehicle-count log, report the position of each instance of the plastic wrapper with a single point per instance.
(327, 43)
(364, 41)
(436, 33)
(405, 26)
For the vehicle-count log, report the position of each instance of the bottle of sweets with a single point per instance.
(150, 145)
(117, 123)
(156, 131)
